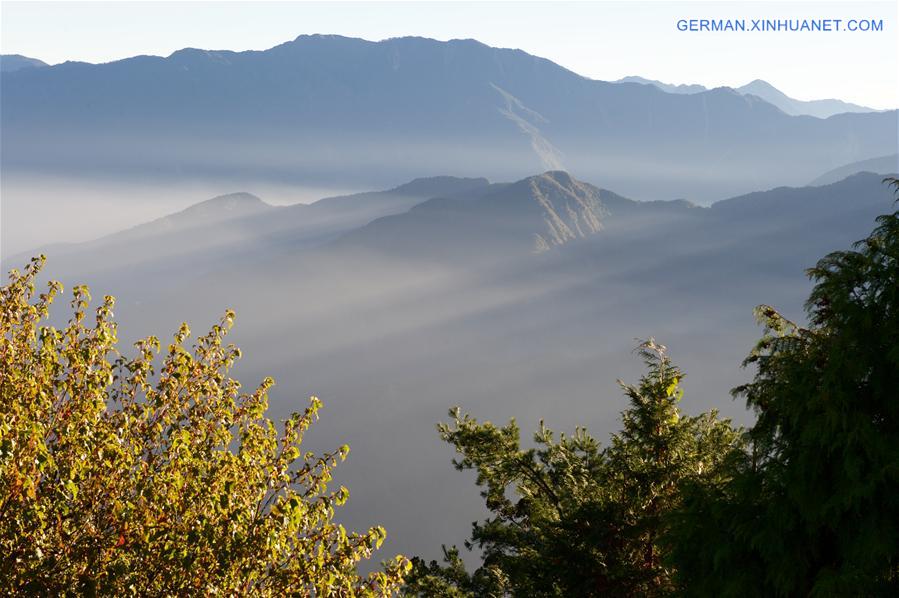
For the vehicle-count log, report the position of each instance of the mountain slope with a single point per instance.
(374, 204)
(531, 216)
(242, 226)
(15, 62)
(882, 165)
(666, 87)
(767, 92)
(818, 108)
(211, 212)
(319, 107)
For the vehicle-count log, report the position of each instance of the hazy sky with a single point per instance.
(602, 40)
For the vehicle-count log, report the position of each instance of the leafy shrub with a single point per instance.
(118, 477)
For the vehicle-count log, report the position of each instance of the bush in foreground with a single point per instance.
(117, 477)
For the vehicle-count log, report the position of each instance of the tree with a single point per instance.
(117, 478)
(570, 518)
(813, 507)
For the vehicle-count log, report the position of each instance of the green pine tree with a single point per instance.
(570, 518)
(813, 507)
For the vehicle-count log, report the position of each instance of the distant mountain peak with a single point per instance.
(568, 208)
(16, 62)
(324, 36)
(760, 83)
(211, 212)
(217, 209)
(766, 92)
(883, 165)
(231, 202)
(189, 56)
(559, 176)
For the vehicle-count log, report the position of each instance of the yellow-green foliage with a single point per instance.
(121, 477)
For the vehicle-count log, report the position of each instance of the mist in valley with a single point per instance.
(40, 209)
(394, 306)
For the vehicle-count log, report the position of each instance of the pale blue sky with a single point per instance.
(602, 40)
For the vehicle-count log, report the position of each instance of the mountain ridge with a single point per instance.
(14, 62)
(881, 165)
(233, 223)
(760, 88)
(325, 109)
(535, 215)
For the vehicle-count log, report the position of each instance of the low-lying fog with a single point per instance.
(39, 210)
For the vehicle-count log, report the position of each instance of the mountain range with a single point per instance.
(767, 92)
(322, 109)
(444, 219)
(518, 298)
